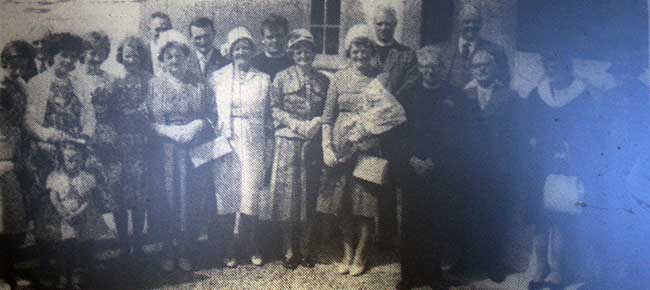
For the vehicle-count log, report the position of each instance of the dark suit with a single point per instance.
(214, 63)
(399, 66)
(458, 70)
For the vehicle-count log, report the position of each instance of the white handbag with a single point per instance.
(372, 169)
(563, 194)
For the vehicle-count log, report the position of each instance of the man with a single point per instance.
(394, 58)
(468, 41)
(399, 64)
(159, 23)
(489, 140)
(434, 111)
(38, 37)
(274, 59)
(202, 34)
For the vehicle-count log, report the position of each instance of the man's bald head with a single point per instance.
(384, 21)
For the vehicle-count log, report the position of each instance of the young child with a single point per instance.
(71, 188)
(15, 58)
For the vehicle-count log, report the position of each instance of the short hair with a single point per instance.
(161, 15)
(201, 22)
(362, 41)
(469, 10)
(16, 50)
(184, 48)
(383, 8)
(143, 51)
(275, 21)
(64, 41)
(429, 54)
(97, 40)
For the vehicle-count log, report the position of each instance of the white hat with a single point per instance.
(358, 31)
(170, 36)
(39, 32)
(234, 35)
(299, 35)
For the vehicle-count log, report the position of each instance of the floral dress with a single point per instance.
(105, 162)
(133, 131)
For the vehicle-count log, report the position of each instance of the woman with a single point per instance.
(242, 101)
(178, 109)
(56, 112)
(95, 84)
(562, 161)
(133, 134)
(15, 59)
(297, 99)
(349, 137)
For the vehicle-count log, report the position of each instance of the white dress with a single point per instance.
(243, 111)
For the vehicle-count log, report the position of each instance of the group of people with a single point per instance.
(197, 137)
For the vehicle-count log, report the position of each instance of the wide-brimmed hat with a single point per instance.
(236, 34)
(356, 32)
(300, 35)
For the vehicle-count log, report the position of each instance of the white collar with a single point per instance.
(462, 41)
(559, 98)
(205, 57)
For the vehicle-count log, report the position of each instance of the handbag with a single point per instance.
(372, 169)
(563, 194)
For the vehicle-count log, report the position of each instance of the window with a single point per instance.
(326, 24)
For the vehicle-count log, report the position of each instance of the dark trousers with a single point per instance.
(9, 245)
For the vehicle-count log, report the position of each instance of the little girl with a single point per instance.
(71, 190)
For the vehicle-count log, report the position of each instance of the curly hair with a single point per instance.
(16, 50)
(64, 41)
(186, 49)
(140, 47)
(364, 42)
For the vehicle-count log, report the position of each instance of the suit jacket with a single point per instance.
(400, 66)
(214, 63)
(458, 72)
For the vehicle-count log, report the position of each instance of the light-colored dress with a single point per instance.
(347, 109)
(243, 109)
(297, 163)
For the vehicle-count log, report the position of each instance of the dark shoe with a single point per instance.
(536, 285)
(307, 262)
(291, 263)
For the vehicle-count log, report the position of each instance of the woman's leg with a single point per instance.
(555, 257)
(540, 246)
(138, 216)
(7, 260)
(361, 251)
(347, 228)
(122, 224)
(248, 235)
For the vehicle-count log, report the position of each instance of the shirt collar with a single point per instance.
(385, 44)
(462, 41)
(205, 57)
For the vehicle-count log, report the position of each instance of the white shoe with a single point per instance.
(257, 261)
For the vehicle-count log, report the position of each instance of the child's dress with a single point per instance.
(74, 194)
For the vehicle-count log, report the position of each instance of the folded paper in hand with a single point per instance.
(563, 194)
(209, 151)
